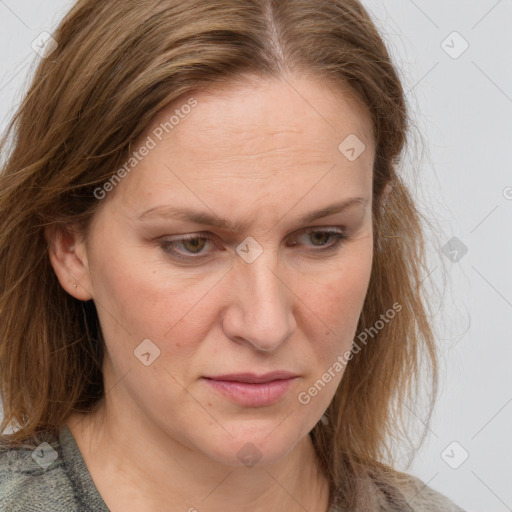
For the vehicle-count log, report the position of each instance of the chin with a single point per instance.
(252, 446)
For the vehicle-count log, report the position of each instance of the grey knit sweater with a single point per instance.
(56, 479)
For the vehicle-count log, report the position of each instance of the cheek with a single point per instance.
(330, 316)
(333, 303)
(138, 299)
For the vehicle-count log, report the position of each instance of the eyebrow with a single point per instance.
(211, 219)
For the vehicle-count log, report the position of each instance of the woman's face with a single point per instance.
(183, 296)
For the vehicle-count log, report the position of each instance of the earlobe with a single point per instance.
(68, 257)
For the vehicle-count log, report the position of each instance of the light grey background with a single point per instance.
(462, 106)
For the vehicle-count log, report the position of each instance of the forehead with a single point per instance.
(243, 134)
(263, 109)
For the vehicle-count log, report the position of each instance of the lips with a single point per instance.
(252, 378)
(251, 390)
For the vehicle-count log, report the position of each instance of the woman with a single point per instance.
(210, 268)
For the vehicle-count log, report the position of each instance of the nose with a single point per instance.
(260, 312)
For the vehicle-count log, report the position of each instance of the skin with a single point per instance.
(266, 154)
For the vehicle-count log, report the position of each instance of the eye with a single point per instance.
(321, 239)
(193, 247)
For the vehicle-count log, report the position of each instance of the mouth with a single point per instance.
(252, 378)
(251, 390)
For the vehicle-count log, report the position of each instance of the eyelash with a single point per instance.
(167, 245)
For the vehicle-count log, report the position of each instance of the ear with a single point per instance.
(68, 257)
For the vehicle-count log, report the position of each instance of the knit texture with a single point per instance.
(43, 480)
(63, 486)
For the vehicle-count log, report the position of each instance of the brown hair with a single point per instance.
(117, 64)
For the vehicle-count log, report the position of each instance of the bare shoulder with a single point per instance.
(423, 498)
